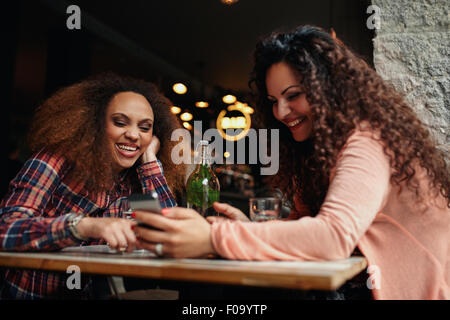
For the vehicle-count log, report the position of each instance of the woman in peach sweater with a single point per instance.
(359, 165)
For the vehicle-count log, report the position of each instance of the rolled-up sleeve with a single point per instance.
(152, 178)
(22, 224)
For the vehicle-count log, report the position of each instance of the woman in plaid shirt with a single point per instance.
(94, 144)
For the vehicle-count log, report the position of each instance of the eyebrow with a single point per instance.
(125, 116)
(284, 91)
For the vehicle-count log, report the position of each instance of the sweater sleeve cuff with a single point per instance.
(215, 232)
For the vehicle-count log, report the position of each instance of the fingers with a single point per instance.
(230, 211)
(179, 213)
(155, 141)
(150, 235)
(116, 242)
(126, 239)
(111, 241)
(225, 209)
(155, 220)
(118, 233)
(154, 145)
(183, 232)
(151, 151)
(130, 238)
(121, 240)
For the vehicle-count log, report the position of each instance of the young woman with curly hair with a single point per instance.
(94, 144)
(359, 165)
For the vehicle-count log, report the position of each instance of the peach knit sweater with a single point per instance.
(406, 242)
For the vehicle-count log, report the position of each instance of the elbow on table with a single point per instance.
(341, 247)
(337, 255)
(341, 239)
(341, 250)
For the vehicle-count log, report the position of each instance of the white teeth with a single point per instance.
(295, 122)
(126, 148)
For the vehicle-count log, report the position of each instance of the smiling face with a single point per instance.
(289, 100)
(129, 128)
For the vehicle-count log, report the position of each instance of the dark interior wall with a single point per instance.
(68, 58)
(348, 18)
(40, 55)
(9, 30)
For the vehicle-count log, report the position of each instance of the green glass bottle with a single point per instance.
(203, 187)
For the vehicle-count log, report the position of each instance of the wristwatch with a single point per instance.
(73, 226)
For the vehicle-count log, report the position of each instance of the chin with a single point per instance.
(125, 164)
(301, 137)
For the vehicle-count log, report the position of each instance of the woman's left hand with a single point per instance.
(152, 150)
(229, 211)
(183, 233)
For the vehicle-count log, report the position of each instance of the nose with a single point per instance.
(283, 109)
(132, 133)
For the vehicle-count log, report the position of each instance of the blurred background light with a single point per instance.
(187, 125)
(179, 88)
(186, 116)
(229, 2)
(175, 110)
(248, 110)
(229, 98)
(202, 104)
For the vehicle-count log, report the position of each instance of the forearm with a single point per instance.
(307, 239)
(20, 232)
(356, 194)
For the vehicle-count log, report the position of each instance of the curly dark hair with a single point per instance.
(342, 90)
(72, 122)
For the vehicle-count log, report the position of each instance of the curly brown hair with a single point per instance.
(72, 122)
(342, 90)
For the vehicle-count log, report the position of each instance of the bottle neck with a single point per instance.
(204, 155)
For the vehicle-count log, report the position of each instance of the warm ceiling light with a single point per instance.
(202, 104)
(187, 125)
(179, 88)
(226, 154)
(248, 110)
(186, 116)
(243, 107)
(229, 2)
(229, 98)
(175, 110)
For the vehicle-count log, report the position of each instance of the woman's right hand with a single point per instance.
(117, 232)
(151, 151)
(227, 210)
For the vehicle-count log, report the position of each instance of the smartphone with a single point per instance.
(145, 202)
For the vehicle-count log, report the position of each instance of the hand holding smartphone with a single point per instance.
(145, 202)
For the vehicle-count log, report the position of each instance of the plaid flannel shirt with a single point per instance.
(36, 214)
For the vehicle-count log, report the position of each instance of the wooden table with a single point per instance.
(327, 275)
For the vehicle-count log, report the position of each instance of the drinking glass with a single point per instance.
(265, 209)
